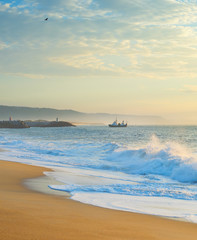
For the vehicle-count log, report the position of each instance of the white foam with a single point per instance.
(165, 207)
(167, 159)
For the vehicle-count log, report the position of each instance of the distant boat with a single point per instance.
(116, 124)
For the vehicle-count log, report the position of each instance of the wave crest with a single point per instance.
(168, 159)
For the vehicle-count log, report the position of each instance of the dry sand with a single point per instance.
(30, 215)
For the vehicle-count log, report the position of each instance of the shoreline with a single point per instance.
(40, 184)
(27, 214)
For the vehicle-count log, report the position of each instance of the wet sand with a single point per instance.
(30, 215)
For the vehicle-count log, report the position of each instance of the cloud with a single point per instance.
(192, 89)
(139, 38)
(134, 12)
(31, 76)
(162, 12)
(80, 61)
(100, 42)
(4, 7)
(3, 46)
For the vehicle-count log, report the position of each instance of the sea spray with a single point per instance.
(168, 159)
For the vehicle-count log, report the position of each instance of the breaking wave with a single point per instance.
(167, 159)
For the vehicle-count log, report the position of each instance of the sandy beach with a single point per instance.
(27, 214)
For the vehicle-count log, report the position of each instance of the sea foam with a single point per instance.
(168, 159)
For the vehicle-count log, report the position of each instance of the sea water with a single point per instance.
(146, 169)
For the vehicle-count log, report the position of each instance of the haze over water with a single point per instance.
(144, 169)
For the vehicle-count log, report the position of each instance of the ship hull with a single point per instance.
(117, 126)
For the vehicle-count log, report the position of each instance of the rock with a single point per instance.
(49, 124)
(13, 124)
(59, 124)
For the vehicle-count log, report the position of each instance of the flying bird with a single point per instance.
(46, 19)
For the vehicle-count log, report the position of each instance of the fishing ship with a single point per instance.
(116, 124)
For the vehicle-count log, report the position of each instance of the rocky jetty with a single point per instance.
(49, 124)
(13, 124)
(59, 124)
(28, 124)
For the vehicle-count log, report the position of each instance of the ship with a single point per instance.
(116, 124)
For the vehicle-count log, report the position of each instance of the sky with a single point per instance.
(128, 57)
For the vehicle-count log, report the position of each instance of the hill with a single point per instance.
(50, 114)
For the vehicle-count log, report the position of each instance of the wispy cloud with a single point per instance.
(3, 45)
(138, 40)
(189, 89)
(4, 7)
(79, 61)
(31, 76)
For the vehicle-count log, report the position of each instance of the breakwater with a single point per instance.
(13, 124)
(28, 124)
(49, 124)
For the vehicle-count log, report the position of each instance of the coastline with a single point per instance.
(28, 214)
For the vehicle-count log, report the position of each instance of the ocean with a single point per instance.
(144, 169)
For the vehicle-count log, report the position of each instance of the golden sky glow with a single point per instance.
(132, 57)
